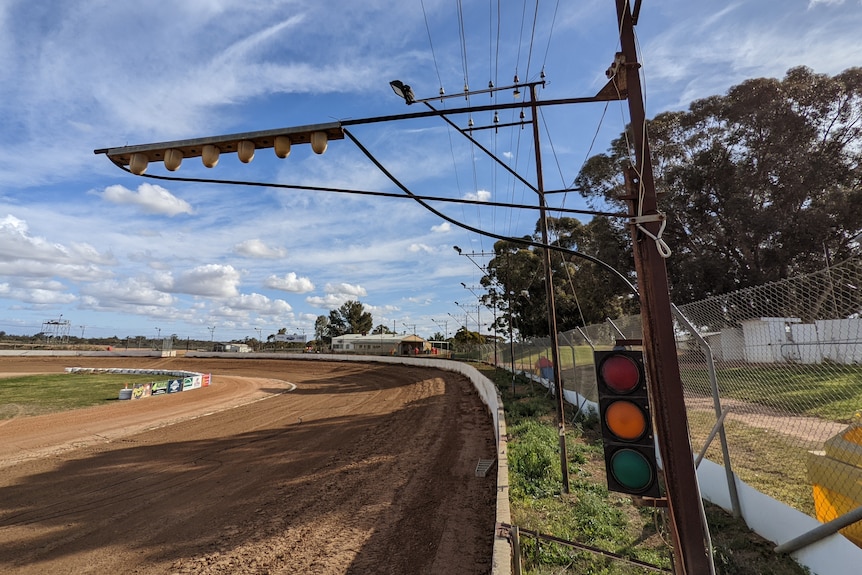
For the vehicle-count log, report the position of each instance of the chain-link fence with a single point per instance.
(784, 361)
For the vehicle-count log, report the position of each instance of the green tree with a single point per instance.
(321, 329)
(584, 293)
(381, 330)
(351, 317)
(759, 184)
(465, 338)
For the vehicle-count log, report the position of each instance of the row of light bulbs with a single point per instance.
(210, 153)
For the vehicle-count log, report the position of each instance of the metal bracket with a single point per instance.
(619, 62)
(657, 217)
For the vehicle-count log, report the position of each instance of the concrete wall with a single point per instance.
(74, 353)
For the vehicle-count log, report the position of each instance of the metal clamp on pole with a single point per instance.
(662, 247)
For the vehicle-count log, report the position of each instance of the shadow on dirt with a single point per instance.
(341, 470)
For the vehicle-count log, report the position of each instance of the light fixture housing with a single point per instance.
(138, 164)
(245, 151)
(209, 155)
(209, 148)
(403, 90)
(281, 145)
(173, 159)
(319, 142)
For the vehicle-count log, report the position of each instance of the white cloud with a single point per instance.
(151, 198)
(336, 295)
(290, 283)
(116, 294)
(740, 41)
(257, 249)
(481, 196)
(345, 289)
(213, 280)
(258, 303)
(329, 301)
(16, 243)
(442, 228)
(38, 293)
(814, 3)
(420, 248)
(24, 256)
(43, 297)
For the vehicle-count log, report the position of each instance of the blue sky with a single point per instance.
(115, 254)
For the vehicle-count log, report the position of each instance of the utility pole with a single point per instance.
(549, 288)
(445, 327)
(665, 384)
(494, 309)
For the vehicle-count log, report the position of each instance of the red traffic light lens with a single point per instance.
(620, 373)
(626, 420)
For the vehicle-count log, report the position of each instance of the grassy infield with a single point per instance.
(36, 394)
(587, 515)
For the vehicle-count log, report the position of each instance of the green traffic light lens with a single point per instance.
(620, 373)
(631, 470)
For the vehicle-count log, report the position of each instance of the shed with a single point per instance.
(380, 344)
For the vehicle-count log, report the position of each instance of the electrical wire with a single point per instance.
(463, 37)
(372, 193)
(469, 228)
(431, 44)
(532, 39)
(550, 34)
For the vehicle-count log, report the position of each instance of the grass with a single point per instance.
(766, 460)
(591, 515)
(828, 391)
(38, 394)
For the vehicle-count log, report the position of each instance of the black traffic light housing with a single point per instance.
(627, 431)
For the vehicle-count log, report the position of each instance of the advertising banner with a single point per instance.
(206, 378)
(159, 387)
(188, 383)
(290, 337)
(140, 390)
(175, 385)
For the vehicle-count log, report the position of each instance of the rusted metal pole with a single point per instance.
(516, 550)
(821, 532)
(549, 290)
(665, 384)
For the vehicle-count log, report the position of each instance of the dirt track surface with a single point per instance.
(363, 468)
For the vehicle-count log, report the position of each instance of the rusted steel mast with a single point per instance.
(665, 385)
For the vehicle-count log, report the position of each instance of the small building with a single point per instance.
(788, 340)
(380, 344)
(232, 347)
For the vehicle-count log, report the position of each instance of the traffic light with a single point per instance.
(627, 432)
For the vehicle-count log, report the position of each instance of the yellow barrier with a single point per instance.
(836, 478)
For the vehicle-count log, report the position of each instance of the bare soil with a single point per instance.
(362, 468)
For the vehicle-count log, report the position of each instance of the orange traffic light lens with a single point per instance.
(620, 373)
(626, 420)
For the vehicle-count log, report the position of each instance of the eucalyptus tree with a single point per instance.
(759, 184)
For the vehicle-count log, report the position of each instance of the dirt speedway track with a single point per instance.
(363, 468)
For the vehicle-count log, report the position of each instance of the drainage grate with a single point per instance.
(483, 466)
